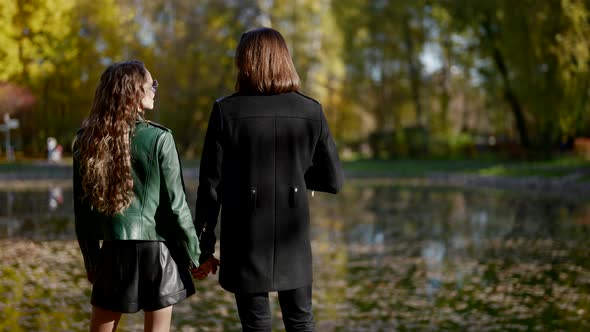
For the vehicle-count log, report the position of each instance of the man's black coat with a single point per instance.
(261, 155)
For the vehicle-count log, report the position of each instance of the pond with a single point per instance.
(386, 258)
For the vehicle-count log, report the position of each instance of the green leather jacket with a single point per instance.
(159, 211)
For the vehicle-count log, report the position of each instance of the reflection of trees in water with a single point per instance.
(536, 219)
(56, 198)
(582, 216)
(423, 258)
(42, 214)
(385, 258)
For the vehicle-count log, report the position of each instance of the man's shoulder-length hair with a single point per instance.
(264, 64)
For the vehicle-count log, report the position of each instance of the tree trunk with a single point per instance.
(509, 93)
(413, 69)
(445, 96)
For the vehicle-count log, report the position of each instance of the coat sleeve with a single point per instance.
(85, 230)
(180, 214)
(210, 185)
(325, 173)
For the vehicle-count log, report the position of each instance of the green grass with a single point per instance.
(412, 168)
(27, 166)
(548, 169)
(419, 168)
(524, 170)
(404, 168)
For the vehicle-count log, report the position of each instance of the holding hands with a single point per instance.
(209, 266)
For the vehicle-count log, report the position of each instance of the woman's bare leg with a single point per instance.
(157, 321)
(104, 320)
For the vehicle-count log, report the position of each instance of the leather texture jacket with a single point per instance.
(159, 211)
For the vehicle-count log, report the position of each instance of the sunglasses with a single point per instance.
(154, 86)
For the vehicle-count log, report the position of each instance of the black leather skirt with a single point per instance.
(138, 275)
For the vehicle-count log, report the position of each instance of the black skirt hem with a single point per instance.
(133, 307)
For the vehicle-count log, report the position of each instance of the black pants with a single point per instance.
(254, 310)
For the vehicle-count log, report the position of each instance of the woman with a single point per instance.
(265, 145)
(128, 191)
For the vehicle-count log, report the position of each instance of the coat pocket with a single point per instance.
(293, 196)
(253, 198)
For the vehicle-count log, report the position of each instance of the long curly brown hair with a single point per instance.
(104, 144)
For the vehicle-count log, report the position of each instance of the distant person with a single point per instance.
(54, 150)
(265, 146)
(128, 191)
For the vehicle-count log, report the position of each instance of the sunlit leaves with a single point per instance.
(365, 61)
(385, 258)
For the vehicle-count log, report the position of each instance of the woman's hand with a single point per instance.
(209, 266)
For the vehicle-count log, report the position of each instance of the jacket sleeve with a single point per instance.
(85, 230)
(209, 191)
(180, 214)
(325, 173)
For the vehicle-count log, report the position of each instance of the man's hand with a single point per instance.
(209, 266)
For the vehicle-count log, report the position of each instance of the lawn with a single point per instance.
(401, 168)
(423, 167)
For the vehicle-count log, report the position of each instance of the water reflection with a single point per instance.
(56, 198)
(436, 259)
(38, 214)
(386, 258)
